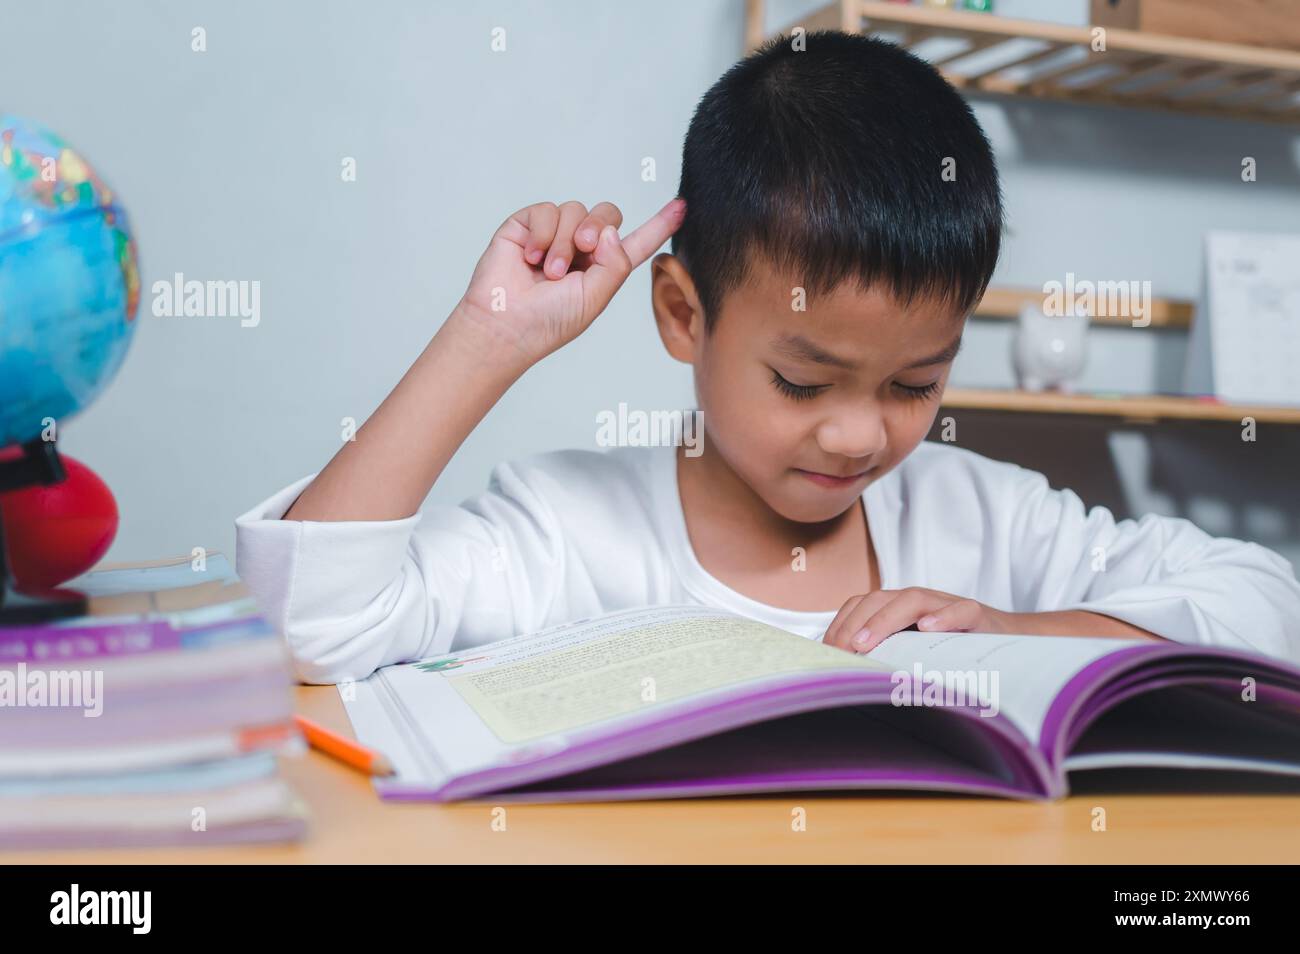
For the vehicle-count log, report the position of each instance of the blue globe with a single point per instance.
(69, 281)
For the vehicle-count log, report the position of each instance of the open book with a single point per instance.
(682, 701)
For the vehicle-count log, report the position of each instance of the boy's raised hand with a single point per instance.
(546, 274)
(550, 270)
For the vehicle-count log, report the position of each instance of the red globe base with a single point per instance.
(59, 531)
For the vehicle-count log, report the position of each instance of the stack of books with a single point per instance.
(157, 718)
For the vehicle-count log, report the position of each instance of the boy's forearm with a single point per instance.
(388, 470)
(1077, 623)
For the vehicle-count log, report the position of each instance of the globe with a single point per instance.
(69, 281)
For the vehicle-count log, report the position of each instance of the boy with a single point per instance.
(821, 274)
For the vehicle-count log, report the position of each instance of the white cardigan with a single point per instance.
(572, 534)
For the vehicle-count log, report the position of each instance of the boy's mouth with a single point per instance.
(832, 480)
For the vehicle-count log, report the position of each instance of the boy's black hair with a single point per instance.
(828, 163)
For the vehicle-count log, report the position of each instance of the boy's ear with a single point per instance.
(676, 306)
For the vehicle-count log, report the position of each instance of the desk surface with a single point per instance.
(350, 825)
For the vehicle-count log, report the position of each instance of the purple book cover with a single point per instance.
(54, 644)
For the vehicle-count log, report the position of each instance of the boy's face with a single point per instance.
(809, 407)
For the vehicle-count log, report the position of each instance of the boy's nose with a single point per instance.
(856, 435)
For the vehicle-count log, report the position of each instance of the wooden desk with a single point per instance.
(351, 825)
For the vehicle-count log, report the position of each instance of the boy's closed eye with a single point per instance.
(920, 379)
(803, 392)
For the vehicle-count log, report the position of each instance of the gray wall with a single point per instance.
(229, 162)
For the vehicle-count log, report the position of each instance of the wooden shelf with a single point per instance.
(1007, 302)
(1138, 408)
(1136, 69)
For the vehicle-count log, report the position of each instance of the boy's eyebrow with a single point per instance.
(797, 346)
(939, 357)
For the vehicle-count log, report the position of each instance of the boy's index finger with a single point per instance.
(656, 230)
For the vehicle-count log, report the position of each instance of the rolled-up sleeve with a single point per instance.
(1163, 574)
(351, 596)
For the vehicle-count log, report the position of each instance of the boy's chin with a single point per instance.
(810, 504)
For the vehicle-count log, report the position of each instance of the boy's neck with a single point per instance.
(712, 492)
(741, 541)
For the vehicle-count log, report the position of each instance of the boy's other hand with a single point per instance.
(550, 270)
(864, 622)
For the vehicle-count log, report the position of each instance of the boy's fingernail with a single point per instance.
(588, 235)
(862, 638)
(925, 622)
(534, 256)
(559, 266)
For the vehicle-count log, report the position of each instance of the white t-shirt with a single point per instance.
(572, 534)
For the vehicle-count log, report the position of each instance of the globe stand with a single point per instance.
(39, 464)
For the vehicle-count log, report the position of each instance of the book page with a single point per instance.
(592, 674)
(454, 713)
(1028, 671)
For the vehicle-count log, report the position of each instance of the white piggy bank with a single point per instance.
(1049, 353)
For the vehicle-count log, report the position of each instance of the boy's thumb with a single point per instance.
(615, 255)
(610, 268)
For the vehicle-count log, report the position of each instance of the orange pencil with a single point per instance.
(344, 749)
